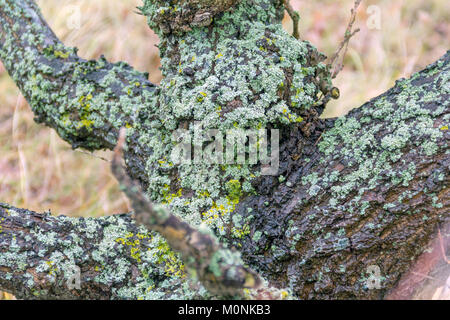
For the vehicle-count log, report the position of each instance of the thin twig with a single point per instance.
(344, 44)
(441, 242)
(295, 16)
(92, 155)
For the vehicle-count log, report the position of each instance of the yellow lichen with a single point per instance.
(60, 54)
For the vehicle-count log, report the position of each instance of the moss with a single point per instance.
(234, 190)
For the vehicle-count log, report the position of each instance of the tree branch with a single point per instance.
(295, 16)
(368, 189)
(47, 257)
(184, 15)
(350, 201)
(219, 269)
(371, 190)
(40, 253)
(86, 102)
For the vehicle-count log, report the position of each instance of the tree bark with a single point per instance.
(363, 192)
(371, 190)
(86, 102)
(40, 252)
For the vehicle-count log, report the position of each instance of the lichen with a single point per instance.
(372, 156)
(243, 71)
(92, 95)
(137, 263)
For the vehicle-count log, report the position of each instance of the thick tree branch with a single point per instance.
(367, 190)
(40, 254)
(48, 257)
(371, 190)
(184, 15)
(350, 201)
(85, 101)
(219, 269)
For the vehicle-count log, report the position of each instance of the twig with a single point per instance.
(92, 155)
(200, 250)
(423, 275)
(344, 44)
(441, 242)
(318, 139)
(295, 16)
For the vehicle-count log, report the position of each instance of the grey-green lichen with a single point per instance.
(85, 101)
(375, 153)
(243, 71)
(370, 159)
(110, 251)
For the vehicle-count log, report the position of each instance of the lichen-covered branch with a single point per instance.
(370, 190)
(48, 257)
(85, 101)
(40, 255)
(182, 16)
(219, 269)
(366, 190)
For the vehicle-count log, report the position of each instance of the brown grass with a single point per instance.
(39, 171)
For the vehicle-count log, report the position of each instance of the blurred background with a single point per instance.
(41, 172)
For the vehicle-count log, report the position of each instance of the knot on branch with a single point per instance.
(181, 16)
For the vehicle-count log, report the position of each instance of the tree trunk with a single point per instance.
(359, 194)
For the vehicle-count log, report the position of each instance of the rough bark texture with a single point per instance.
(86, 102)
(39, 252)
(218, 268)
(182, 16)
(368, 189)
(372, 191)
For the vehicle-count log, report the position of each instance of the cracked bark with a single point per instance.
(391, 233)
(314, 236)
(33, 55)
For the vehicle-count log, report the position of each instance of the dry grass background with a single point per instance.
(41, 172)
